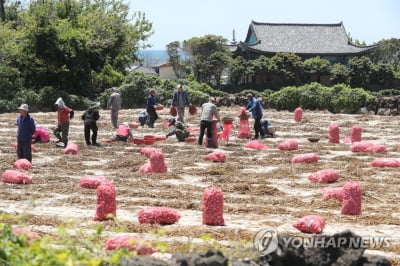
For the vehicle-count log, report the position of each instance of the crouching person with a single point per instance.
(41, 135)
(123, 132)
(179, 129)
(90, 117)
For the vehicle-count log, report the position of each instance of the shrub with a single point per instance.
(287, 98)
(346, 99)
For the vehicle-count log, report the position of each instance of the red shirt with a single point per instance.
(63, 115)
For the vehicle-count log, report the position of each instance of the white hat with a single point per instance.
(24, 106)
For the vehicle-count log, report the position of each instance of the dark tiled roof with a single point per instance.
(307, 39)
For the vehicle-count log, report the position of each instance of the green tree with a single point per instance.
(383, 74)
(208, 57)
(316, 66)
(339, 74)
(174, 51)
(387, 53)
(288, 66)
(77, 46)
(239, 68)
(360, 71)
(2, 11)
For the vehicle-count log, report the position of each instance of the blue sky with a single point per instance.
(178, 20)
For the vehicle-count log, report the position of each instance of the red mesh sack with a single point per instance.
(173, 111)
(355, 133)
(242, 112)
(157, 162)
(305, 158)
(23, 164)
(92, 181)
(255, 144)
(192, 110)
(25, 232)
(131, 243)
(385, 162)
(244, 129)
(332, 193)
(15, 177)
(288, 145)
(148, 151)
(377, 149)
(324, 176)
(310, 224)
(146, 168)
(158, 215)
(351, 203)
(71, 148)
(227, 130)
(213, 206)
(334, 133)
(106, 203)
(216, 156)
(361, 146)
(298, 114)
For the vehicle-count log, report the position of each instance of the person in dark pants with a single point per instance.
(90, 116)
(208, 111)
(180, 100)
(64, 114)
(150, 108)
(254, 106)
(26, 128)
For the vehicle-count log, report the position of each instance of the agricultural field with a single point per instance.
(261, 187)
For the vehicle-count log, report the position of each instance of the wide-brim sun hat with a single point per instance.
(24, 107)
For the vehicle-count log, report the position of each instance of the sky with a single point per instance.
(179, 20)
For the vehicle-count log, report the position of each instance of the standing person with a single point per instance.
(254, 106)
(114, 103)
(150, 108)
(64, 114)
(26, 128)
(180, 100)
(208, 111)
(89, 117)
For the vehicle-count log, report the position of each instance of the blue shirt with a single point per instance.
(151, 101)
(180, 99)
(26, 128)
(254, 106)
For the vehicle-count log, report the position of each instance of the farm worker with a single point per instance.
(64, 114)
(26, 128)
(89, 117)
(171, 122)
(180, 130)
(208, 111)
(180, 100)
(150, 105)
(40, 135)
(123, 132)
(114, 104)
(254, 106)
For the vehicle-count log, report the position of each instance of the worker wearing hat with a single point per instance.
(180, 100)
(26, 128)
(254, 106)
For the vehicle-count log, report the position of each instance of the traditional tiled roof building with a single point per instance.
(329, 41)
